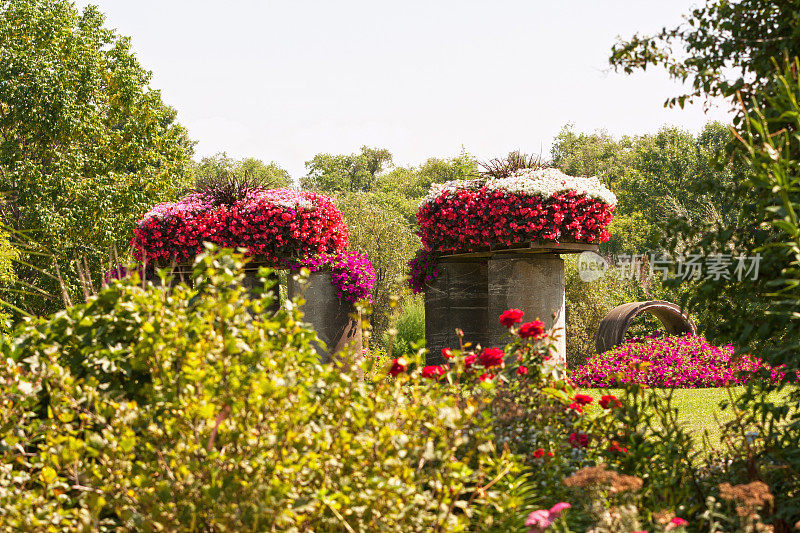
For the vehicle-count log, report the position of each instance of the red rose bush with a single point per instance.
(272, 224)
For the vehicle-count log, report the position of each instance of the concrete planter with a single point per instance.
(334, 320)
(457, 298)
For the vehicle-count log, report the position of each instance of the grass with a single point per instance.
(698, 409)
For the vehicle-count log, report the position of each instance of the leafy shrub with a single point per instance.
(409, 326)
(683, 362)
(153, 409)
(586, 304)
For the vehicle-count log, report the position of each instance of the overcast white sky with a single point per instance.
(284, 80)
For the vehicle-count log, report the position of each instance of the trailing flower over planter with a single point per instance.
(352, 274)
(531, 205)
(272, 224)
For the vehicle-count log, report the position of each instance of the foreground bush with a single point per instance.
(683, 362)
(154, 409)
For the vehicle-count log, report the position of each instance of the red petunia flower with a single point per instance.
(492, 357)
(533, 330)
(510, 317)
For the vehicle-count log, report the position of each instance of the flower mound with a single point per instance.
(683, 362)
(352, 274)
(272, 224)
(542, 204)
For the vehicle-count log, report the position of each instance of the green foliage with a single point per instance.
(587, 303)
(269, 176)
(720, 48)
(380, 231)
(197, 409)
(86, 146)
(654, 178)
(346, 173)
(409, 325)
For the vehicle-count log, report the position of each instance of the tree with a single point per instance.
(270, 175)
(654, 177)
(346, 173)
(86, 147)
(384, 235)
(721, 48)
(731, 50)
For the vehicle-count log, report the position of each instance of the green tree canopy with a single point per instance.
(271, 175)
(654, 177)
(86, 146)
(346, 173)
(731, 50)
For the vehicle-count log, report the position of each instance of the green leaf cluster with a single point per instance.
(158, 408)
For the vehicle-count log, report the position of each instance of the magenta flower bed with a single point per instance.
(272, 224)
(352, 274)
(681, 362)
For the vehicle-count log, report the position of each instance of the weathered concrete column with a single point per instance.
(533, 283)
(457, 298)
(329, 316)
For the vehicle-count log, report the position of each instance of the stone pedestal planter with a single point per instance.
(533, 283)
(474, 288)
(457, 298)
(329, 316)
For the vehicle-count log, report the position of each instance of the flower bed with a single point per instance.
(272, 224)
(683, 362)
(543, 204)
(352, 274)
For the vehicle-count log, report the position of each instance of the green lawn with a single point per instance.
(698, 409)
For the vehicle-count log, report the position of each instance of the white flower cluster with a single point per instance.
(543, 182)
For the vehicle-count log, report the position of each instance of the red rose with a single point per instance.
(522, 370)
(579, 440)
(447, 353)
(538, 453)
(486, 377)
(583, 399)
(470, 360)
(615, 447)
(491, 357)
(433, 372)
(609, 402)
(533, 330)
(510, 317)
(398, 365)
(575, 406)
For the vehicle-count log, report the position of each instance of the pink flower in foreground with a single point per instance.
(540, 520)
(676, 523)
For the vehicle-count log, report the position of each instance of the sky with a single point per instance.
(284, 80)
